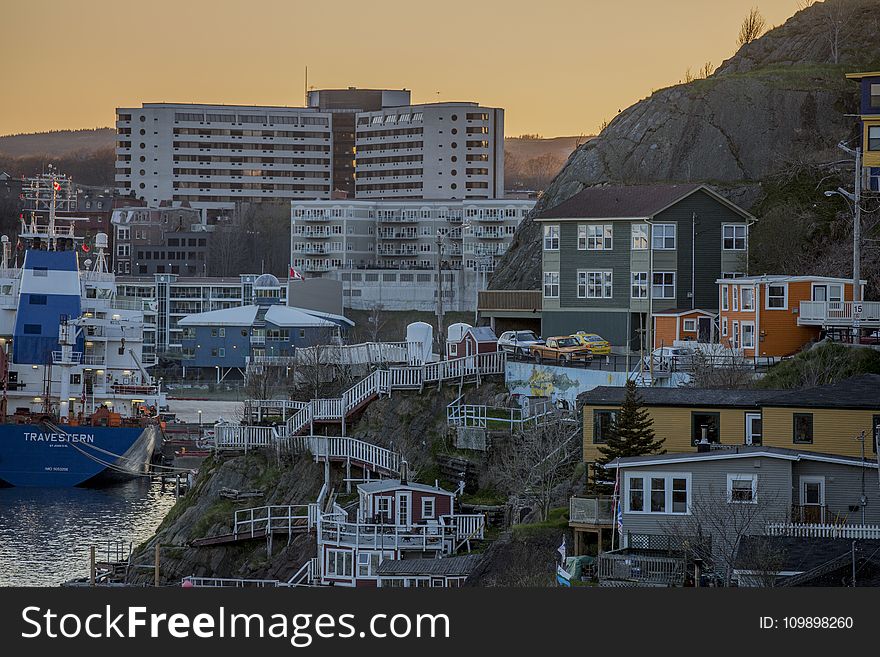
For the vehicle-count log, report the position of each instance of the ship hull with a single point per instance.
(37, 455)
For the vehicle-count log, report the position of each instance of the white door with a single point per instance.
(812, 500)
(404, 509)
(754, 428)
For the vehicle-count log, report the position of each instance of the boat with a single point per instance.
(78, 405)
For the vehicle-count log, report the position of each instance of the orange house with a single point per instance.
(775, 316)
(689, 324)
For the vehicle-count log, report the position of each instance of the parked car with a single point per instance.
(598, 345)
(563, 348)
(670, 358)
(518, 342)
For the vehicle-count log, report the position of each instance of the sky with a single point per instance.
(558, 67)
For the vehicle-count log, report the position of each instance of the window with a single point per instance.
(690, 326)
(594, 285)
(222, 352)
(339, 563)
(595, 237)
(724, 326)
(875, 95)
(636, 495)
(748, 298)
(802, 427)
(639, 285)
(551, 284)
(38, 299)
(429, 508)
(734, 289)
(742, 488)
(748, 335)
(603, 421)
(664, 285)
(639, 237)
(668, 493)
(551, 238)
(222, 332)
(874, 138)
(777, 297)
(664, 236)
(123, 250)
(383, 507)
(733, 237)
(710, 422)
(33, 329)
(725, 297)
(734, 337)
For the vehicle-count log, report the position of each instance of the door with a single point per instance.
(704, 329)
(404, 509)
(754, 427)
(812, 500)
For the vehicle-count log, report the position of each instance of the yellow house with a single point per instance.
(832, 419)
(869, 113)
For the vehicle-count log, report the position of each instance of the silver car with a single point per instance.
(518, 342)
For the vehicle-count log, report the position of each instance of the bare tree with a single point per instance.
(688, 76)
(376, 321)
(720, 368)
(536, 462)
(262, 382)
(717, 521)
(752, 27)
(837, 17)
(707, 70)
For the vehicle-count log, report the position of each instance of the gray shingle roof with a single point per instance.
(461, 565)
(799, 554)
(861, 391)
(611, 201)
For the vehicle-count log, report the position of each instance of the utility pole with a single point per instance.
(440, 341)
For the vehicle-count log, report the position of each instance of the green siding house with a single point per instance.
(601, 247)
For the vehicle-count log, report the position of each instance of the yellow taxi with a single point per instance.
(597, 345)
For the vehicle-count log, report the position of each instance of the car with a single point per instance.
(563, 348)
(670, 358)
(518, 342)
(598, 345)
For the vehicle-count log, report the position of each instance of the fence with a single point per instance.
(805, 530)
(591, 510)
(494, 417)
(344, 448)
(643, 569)
(275, 518)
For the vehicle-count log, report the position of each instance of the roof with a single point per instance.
(740, 452)
(238, 316)
(629, 202)
(859, 76)
(783, 278)
(461, 565)
(798, 554)
(281, 315)
(482, 334)
(678, 312)
(696, 397)
(394, 484)
(339, 319)
(862, 391)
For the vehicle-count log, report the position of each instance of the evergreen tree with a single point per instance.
(632, 432)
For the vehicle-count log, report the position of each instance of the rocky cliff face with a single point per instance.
(779, 102)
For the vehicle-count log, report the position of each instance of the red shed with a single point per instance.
(474, 340)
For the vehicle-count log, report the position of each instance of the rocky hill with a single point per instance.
(776, 105)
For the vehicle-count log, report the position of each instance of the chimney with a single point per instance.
(404, 472)
(703, 445)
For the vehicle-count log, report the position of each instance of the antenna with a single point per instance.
(306, 86)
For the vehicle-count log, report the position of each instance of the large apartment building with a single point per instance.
(215, 155)
(431, 151)
(349, 143)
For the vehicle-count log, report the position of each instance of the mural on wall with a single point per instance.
(566, 383)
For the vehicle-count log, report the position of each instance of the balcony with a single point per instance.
(316, 234)
(593, 511)
(839, 313)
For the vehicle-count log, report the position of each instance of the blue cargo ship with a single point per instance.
(78, 405)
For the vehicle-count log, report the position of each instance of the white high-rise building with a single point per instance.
(430, 151)
(215, 155)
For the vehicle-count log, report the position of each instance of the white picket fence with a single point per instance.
(805, 530)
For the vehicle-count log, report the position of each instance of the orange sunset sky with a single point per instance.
(559, 67)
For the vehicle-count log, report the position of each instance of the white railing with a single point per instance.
(389, 537)
(469, 526)
(482, 416)
(228, 582)
(306, 575)
(806, 530)
(73, 358)
(342, 448)
(256, 409)
(838, 312)
(275, 518)
(232, 436)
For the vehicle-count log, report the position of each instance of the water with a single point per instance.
(45, 533)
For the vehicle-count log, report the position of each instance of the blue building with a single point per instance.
(224, 340)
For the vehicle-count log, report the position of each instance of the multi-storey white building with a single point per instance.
(215, 155)
(356, 143)
(430, 151)
(391, 238)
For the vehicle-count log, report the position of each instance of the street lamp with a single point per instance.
(200, 419)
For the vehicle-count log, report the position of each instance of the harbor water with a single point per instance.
(45, 533)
